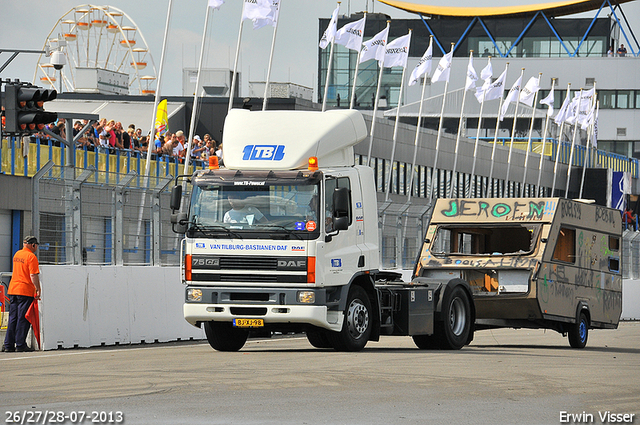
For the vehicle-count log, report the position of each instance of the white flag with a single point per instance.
(423, 66)
(549, 102)
(271, 18)
(332, 28)
(579, 107)
(444, 67)
(564, 111)
(350, 35)
(216, 3)
(487, 72)
(472, 77)
(590, 118)
(397, 52)
(493, 90)
(529, 90)
(514, 92)
(374, 48)
(256, 9)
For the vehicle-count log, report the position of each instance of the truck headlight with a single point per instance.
(306, 297)
(194, 294)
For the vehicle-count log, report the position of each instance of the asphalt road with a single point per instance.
(504, 377)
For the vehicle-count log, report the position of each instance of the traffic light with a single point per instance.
(23, 104)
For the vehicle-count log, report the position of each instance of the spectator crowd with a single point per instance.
(109, 135)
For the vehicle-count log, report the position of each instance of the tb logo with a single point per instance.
(263, 152)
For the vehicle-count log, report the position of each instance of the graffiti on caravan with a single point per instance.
(505, 208)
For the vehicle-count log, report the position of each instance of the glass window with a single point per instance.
(494, 240)
(607, 99)
(221, 208)
(624, 99)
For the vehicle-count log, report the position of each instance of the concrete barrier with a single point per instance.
(630, 299)
(85, 306)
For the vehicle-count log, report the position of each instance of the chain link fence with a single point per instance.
(92, 217)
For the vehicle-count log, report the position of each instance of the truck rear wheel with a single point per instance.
(357, 324)
(579, 332)
(452, 332)
(426, 342)
(222, 336)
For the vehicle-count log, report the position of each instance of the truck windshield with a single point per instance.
(476, 240)
(256, 208)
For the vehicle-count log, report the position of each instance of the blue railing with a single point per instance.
(595, 158)
(19, 160)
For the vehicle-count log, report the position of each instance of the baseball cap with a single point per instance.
(31, 239)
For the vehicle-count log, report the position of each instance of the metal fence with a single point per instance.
(87, 216)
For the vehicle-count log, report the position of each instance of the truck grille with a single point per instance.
(245, 277)
(235, 268)
(248, 263)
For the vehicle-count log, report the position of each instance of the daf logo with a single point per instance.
(263, 152)
(291, 264)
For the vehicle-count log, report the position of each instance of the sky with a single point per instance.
(27, 24)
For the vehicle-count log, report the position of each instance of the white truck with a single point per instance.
(285, 238)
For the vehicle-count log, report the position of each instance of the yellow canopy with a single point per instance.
(559, 8)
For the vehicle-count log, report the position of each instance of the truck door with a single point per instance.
(339, 257)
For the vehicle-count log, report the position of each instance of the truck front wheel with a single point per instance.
(452, 332)
(222, 336)
(357, 324)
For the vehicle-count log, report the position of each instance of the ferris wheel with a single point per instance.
(100, 40)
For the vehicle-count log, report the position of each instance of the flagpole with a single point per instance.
(555, 167)
(455, 157)
(495, 138)
(472, 186)
(395, 128)
(235, 62)
(505, 188)
(544, 140)
(355, 74)
(194, 110)
(533, 118)
(375, 106)
(326, 84)
(417, 138)
(273, 43)
(435, 158)
(573, 144)
(586, 151)
(147, 167)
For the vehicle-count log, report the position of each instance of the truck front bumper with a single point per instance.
(274, 306)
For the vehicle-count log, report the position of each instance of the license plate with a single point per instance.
(248, 323)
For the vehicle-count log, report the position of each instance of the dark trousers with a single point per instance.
(18, 326)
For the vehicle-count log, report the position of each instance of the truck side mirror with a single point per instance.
(179, 223)
(341, 200)
(176, 198)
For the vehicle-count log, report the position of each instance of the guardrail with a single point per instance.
(26, 159)
(595, 157)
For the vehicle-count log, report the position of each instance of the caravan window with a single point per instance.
(565, 246)
(491, 240)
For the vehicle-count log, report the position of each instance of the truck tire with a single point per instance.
(222, 336)
(452, 332)
(319, 339)
(579, 332)
(426, 342)
(357, 324)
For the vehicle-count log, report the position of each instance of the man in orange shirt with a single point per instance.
(23, 289)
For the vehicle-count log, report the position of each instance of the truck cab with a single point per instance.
(285, 239)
